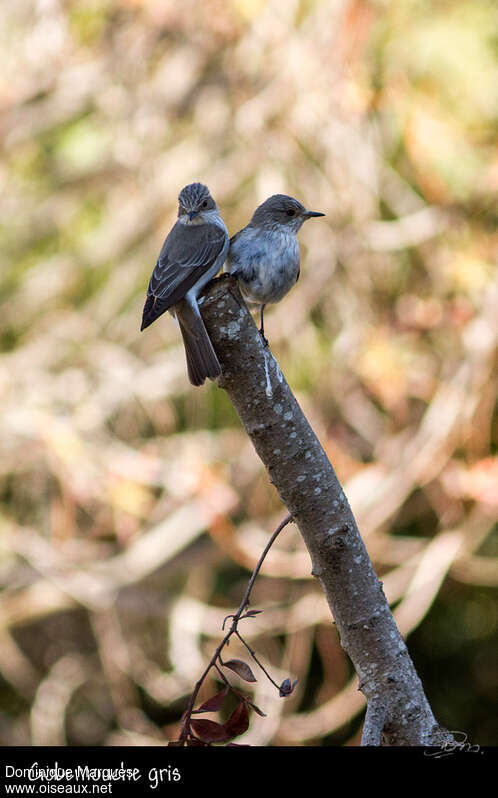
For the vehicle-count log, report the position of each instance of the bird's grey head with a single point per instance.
(280, 211)
(195, 204)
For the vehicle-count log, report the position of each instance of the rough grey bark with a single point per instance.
(398, 712)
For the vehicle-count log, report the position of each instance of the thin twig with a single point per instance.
(253, 655)
(185, 732)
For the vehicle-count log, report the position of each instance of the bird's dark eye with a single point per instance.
(204, 204)
(290, 212)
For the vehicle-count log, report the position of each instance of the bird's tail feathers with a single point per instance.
(201, 357)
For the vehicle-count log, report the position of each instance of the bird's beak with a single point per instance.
(192, 215)
(310, 214)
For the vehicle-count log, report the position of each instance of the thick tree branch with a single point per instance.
(374, 723)
(308, 486)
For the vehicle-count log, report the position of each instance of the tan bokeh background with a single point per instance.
(133, 506)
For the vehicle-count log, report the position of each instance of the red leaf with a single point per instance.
(241, 668)
(214, 703)
(238, 722)
(209, 731)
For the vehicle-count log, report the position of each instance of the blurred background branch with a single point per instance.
(117, 479)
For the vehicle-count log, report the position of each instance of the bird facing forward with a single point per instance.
(264, 255)
(193, 252)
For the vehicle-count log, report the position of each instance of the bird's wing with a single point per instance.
(236, 236)
(234, 251)
(186, 255)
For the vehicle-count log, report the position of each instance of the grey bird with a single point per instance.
(264, 255)
(192, 254)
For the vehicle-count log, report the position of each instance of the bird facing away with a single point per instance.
(193, 252)
(264, 255)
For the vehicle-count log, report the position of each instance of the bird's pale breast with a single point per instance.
(266, 262)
